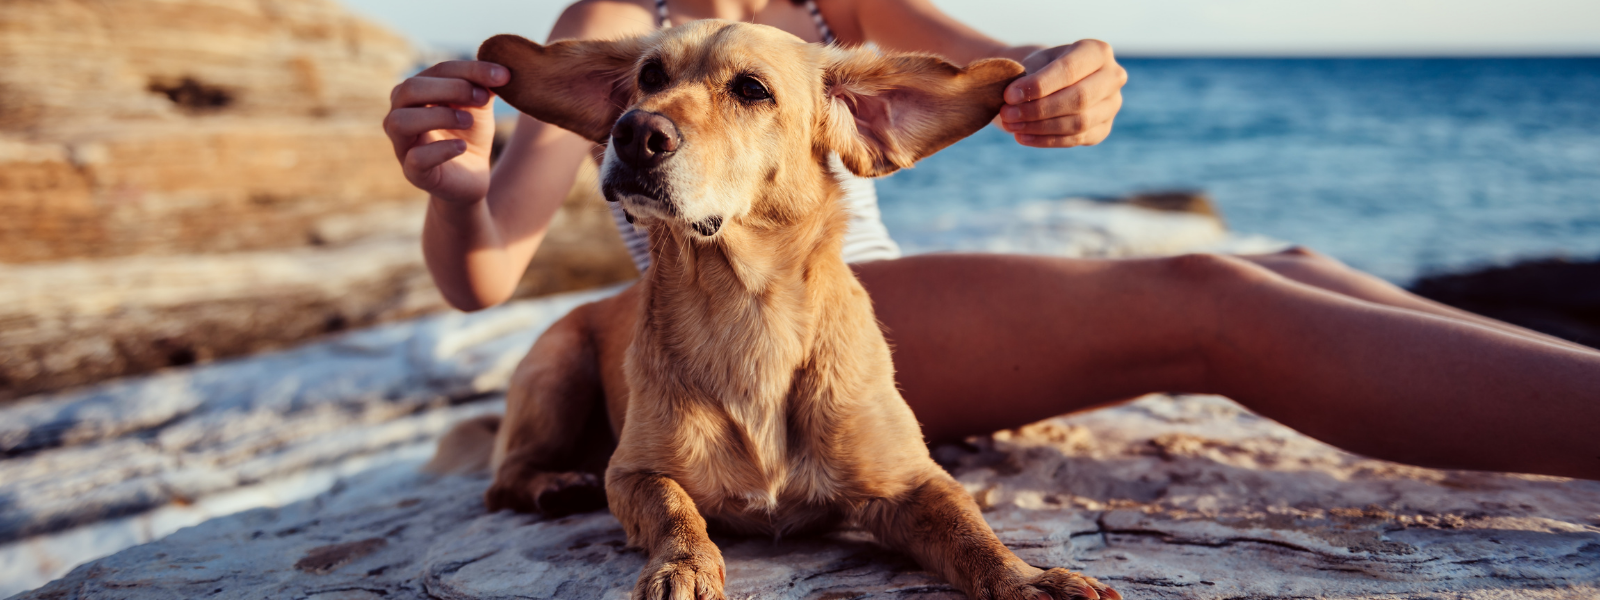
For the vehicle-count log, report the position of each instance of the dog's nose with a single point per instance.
(643, 139)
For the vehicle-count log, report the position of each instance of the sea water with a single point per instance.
(1397, 166)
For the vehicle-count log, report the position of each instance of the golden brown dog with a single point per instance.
(744, 377)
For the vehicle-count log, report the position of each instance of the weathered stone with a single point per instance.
(77, 61)
(217, 184)
(77, 322)
(92, 471)
(1190, 497)
(187, 180)
(88, 472)
(1180, 201)
(177, 126)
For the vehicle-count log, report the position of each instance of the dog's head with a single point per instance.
(719, 122)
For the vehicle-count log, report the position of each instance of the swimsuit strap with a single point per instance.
(661, 14)
(823, 31)
(816, 16)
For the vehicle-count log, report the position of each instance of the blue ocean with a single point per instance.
(1400, 167)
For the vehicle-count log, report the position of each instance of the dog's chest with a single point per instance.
(747, 474)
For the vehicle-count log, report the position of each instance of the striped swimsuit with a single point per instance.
(865, 237)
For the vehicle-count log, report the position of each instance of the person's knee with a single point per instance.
(1306, 258)
(1211, 271)
(1320, 270)
(1298, 251)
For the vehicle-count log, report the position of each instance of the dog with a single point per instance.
(744, 379)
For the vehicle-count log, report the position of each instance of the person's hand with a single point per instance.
(442, 124)
(1068, 98)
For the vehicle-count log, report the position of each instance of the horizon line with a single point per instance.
(435, 50)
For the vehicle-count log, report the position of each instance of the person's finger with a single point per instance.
(486, 74)
(421, 162)
(1099, 114)
(1075, 99)
(1067, 125)
(1087, 138)
(1083, 58)
(404, 124)
(422, 91)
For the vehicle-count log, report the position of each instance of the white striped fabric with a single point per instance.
(825, 32)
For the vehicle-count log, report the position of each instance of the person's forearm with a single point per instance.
(477, 252)
(463, 250)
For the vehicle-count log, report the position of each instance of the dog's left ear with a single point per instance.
(578, 85)
(884, 112)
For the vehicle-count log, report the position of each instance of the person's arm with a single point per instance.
(477, 250)
(1069, 97)
(481, 230)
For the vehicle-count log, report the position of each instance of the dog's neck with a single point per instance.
(762, 251)
(765, 276)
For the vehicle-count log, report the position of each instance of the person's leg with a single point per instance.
(987, 342)
(984, 342)
(1320, 270)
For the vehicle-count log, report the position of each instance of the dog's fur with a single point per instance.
(744, 378)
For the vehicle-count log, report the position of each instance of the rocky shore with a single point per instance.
(190, 180)
(1187, 497)
(222, 361)
(130, 460)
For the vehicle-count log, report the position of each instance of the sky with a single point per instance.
(1145, 27)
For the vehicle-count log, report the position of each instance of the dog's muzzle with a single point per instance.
(643, 139)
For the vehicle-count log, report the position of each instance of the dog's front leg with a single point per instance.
(939, 524)
(662, 519)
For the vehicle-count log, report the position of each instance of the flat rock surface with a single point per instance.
(96, 469)
(1189, 497)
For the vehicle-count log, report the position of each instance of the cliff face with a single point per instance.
(184, 180)
(113, 60)
(149, 126)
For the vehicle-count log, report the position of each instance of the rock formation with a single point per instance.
(184, 180)
(87, 472)
(162, 127)
(90, 471)
(77, 322)
(1188, 497)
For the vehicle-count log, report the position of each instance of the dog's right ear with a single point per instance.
(578, 85)
(884, 112)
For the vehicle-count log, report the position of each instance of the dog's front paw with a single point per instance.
(547, 493)
(1061, 584)
(1055, 584)
(693, 576)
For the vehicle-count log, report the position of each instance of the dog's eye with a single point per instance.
(748, 88)
(652, 77)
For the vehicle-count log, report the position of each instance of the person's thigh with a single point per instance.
(986, 342)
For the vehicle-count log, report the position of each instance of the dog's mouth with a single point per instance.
(638, 195)
(642, 195)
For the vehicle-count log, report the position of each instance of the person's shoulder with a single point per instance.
(605, 20)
